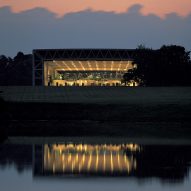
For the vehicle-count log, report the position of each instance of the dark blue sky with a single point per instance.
(40, 28)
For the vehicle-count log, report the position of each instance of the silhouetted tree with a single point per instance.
(20, 56)
(168, 66)
(127, 77)
(132, 76)
(17, 71)
(175, 63)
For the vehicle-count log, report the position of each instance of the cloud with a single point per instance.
(40, 28)
(63, 7)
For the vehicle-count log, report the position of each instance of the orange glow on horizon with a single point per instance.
(63, 7)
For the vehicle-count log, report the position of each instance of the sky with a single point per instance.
(30, 24)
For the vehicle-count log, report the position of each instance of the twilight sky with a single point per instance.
(30, 24)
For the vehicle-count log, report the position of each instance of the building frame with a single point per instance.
(42, 55)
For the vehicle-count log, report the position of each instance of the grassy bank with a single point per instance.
(53, 119)
(3, 120)
(97, 111)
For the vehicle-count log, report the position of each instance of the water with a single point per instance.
(69, 166)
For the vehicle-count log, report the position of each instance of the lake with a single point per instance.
(68, 165)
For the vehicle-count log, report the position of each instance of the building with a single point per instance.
(81, 67)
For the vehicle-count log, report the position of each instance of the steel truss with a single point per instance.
(42, 55)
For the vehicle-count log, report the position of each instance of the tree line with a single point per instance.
(167, 66)
(16, 71)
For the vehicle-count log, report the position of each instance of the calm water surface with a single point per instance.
(83, 166)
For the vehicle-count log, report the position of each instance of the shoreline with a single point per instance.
(41, 119)
(92, 111)
(96, 140)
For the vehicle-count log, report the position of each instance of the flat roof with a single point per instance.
(84, 54)
(86, 49)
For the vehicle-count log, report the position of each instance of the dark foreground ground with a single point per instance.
(164, 112)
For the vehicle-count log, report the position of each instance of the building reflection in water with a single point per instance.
(90, 159)
(164, 162)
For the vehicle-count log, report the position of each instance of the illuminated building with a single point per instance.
(81, 67)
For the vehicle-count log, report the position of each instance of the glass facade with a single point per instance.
(85, 73)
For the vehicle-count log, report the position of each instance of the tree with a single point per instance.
(132, 76)
(19, 56)
(175, 63)
(17, 71)
(127, 77)
(168, 66)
